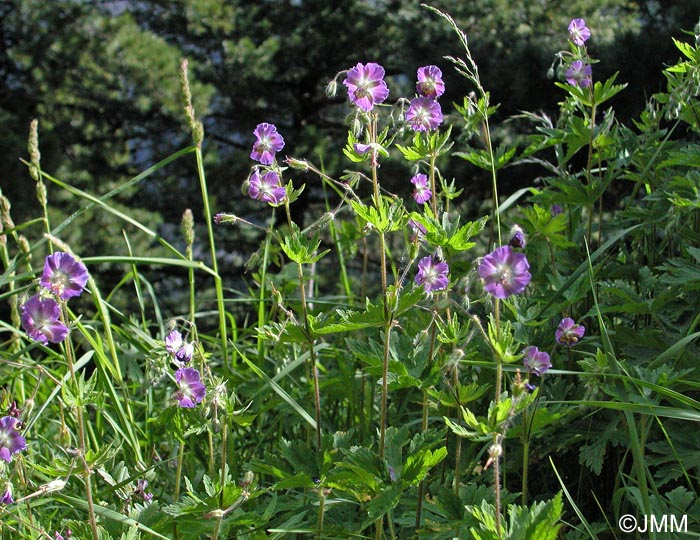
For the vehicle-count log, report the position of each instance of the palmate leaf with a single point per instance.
(541, 521)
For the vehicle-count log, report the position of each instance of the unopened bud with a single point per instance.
(517, 237)
(300, 164)
(332, 88)
(495, 451)
(248, 478)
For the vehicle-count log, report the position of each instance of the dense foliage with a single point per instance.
(400, 359)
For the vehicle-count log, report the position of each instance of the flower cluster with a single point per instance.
(579, 72)
(63, 278)
(424, 112)
(266, 186)
(181, 350)
(190, 389)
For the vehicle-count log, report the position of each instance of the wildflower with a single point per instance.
(555, 210)
(579, 74)
(432, 274)
(536, 361)
(569, 333)
(191, 390)
(517, 238)
(140, 490)
(366, 86)
(422, 192)
(361, 148)
(418, 230)
(504, 272)
(63, 275)
(11, 441)
(267, 143)
(266, 188)
(579, 32)
(173, 341)
(178, 347)
(185, 353)
(423, 114)
(40, 319)
(430, 83)
(7, 496)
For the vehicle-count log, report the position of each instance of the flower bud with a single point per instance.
(332, 88)
(517, 238)
(300, 164)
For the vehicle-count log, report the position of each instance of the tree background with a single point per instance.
(102, 79)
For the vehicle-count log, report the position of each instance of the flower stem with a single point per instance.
(388, 316)
(81, 435)
(312, 351)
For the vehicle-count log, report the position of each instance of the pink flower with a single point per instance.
(432, 274)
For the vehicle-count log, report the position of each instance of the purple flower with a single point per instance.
(430, 83)
(579, 32)
(417, 228)
(579, 74)
(266, 188)
(569, 333)
(190, 388)
(555, 210)
(361, 148)
(536, 361)
(11, 441)
(517, 237)
(432, 274)
(267, 143)
(422, 192)
(40, 319)
(366, 86)
(185, 353)
(178, 347)
(63, 275)
(7, 496)
(173, 341)
(424, 114)
(504, 272)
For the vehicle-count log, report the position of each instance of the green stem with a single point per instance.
(178, 477)
(494, 183)
(312, 351)
(321, 508)
(81, 435)
(212, 247)
(526, 456)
